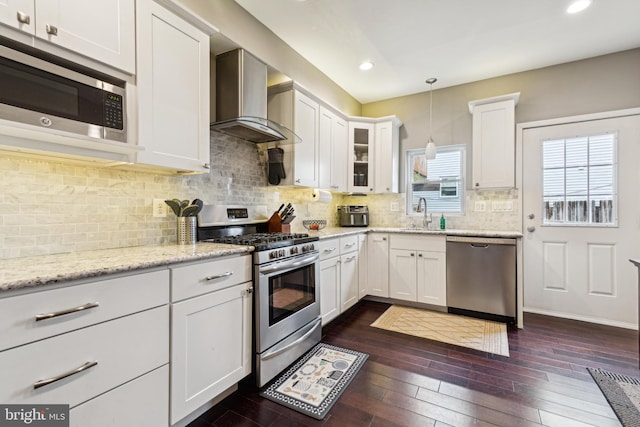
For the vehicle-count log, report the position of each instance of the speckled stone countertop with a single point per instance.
(50, 269)
(331, 232)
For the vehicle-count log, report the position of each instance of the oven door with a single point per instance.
(287, 298)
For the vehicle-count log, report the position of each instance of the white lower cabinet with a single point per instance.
(339, 285)
(128, 405)
(417, 268)
(111, 353)
(363, 266)
(378, 260)
(92, 346)
(329, 289)
(210, 333)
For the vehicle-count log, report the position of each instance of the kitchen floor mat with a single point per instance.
(464, 331)
(314, 383)
(623, 394)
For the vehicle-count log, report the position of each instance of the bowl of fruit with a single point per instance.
(314, 224)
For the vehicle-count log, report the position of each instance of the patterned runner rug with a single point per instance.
(314, 383)
(464, 331)
(623, 394)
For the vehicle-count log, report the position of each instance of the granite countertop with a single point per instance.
(42, 270)
(331, 232)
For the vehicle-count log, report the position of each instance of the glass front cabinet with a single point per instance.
(361, 157)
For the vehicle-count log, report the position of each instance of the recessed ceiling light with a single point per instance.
(578, 6)
(366, 65)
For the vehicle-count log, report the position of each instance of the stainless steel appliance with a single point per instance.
(241, 99)
(45, 95)
(286, 278)
(353, 215)
(481, 277)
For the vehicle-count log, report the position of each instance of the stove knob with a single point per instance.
(293, 250)
(281, 252)
(273, 254)
(311, 246)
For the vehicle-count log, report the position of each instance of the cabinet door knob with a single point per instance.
(249, 291)
(23, 18)
(207, 166)
(297, 181)
(477, 184)
(51, 29)
(420, 255)
(412, 254)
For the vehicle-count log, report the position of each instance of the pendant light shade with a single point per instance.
(430, 149)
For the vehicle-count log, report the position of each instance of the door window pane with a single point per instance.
(578, 180)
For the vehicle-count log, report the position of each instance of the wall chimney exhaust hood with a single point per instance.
(241, 100)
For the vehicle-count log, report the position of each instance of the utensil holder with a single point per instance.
(186, 230)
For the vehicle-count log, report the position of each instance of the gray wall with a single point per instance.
(604, 83)
(244, 30)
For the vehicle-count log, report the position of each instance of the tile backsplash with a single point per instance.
(48, 207)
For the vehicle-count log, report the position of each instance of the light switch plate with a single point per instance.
(480, 206)
(395, 207)
(502, 205)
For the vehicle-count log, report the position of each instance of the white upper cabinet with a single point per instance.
(333, 138)
(173, 90)
(300, 113)
(374, 146)
(494, 141)
(361, 157)
(387, 151)
(101, 30)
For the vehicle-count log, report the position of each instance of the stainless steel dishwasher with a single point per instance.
(481, 277)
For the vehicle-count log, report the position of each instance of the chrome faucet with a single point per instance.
(426, 220)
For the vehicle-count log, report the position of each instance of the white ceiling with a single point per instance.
(456, 41)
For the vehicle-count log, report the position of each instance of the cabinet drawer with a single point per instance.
(348, 244)
(149, 391)
(329, 248)
(433, 243)
(198, 279)
(115, 297)
(124, 349)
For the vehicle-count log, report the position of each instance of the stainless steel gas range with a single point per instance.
(286, 278)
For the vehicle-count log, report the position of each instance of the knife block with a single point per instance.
(276, 225)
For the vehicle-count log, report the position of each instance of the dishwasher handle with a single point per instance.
(481, 241)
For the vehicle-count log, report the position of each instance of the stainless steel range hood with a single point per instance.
(241, 99)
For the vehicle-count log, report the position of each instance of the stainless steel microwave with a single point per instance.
(40, 93)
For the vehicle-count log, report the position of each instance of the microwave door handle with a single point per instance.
(289, 265)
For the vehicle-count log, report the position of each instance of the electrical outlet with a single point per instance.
(395, 207)
(502, 205)
(159, 208)
(480, 206)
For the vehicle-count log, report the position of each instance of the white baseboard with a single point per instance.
(589, 319)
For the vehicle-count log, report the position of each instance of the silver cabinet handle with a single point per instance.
(329, 250)
(51, 29)
(23, 18)
(531, 229)
(207, 166)
(218, 276)
(84, 367)
(249, 291)
(349, 244)
(351, 258)
(86, 306)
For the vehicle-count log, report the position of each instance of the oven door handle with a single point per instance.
(288, 265)
(279, 351)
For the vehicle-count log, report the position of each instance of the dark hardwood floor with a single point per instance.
(409, 381)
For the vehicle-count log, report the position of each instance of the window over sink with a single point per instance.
(439, 181)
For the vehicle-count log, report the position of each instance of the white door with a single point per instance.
(581, 219)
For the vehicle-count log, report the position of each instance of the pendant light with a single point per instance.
(430, 149)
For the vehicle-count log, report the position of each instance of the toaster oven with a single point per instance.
(353, 216)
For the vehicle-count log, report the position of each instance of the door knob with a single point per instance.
(531, 229)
